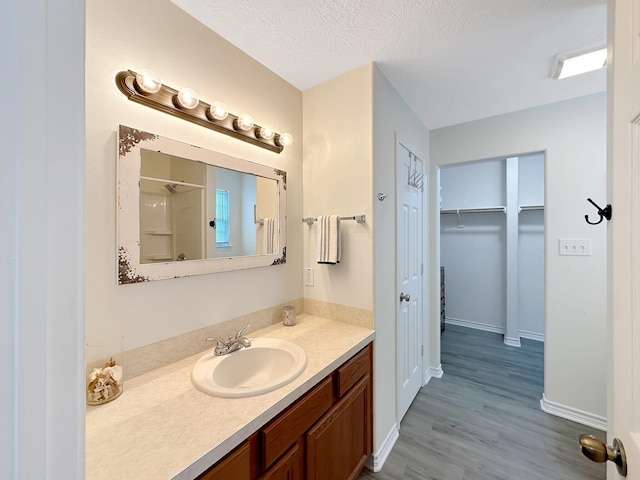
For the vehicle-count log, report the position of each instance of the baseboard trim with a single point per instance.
(377, 459)
(476, 325)
(485, 327)
(512, 342)
(433, 372)
(538, 337)
(573, 414)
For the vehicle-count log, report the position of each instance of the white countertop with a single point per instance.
(162, 427)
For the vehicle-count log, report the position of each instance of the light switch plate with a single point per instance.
(575, 246)
(308, 277)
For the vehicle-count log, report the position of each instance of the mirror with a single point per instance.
(184, 210)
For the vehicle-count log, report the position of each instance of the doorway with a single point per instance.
(492, 246)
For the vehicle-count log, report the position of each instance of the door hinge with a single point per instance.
(422, 350)
(422, 269)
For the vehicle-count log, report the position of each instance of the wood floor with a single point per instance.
(482, 420)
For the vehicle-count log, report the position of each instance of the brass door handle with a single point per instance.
(598, 451)
(405, 297)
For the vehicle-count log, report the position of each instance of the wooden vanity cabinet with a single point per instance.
(324, 435)
(341, 441)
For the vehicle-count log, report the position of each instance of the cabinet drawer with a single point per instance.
(352, 371)
(236, 465)
(279, 435)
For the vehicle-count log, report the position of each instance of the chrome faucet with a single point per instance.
(232, 344)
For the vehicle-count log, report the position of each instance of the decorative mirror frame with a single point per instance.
(130, 269)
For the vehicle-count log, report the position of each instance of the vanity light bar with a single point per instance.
(165, 99)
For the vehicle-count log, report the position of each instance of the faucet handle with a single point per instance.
(241, 331)
(221, 347)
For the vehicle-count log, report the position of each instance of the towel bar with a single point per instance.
(357, 218)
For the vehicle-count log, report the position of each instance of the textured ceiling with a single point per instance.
(451, 60)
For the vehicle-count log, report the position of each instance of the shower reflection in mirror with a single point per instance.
(190, 210)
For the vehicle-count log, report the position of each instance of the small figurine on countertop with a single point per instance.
(105, 384)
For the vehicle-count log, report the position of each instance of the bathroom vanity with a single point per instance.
(163, 427)
(326, 434)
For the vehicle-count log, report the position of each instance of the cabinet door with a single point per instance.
(289, 467)
(340, 442)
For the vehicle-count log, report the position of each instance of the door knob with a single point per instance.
(598, 451)
(405, 297)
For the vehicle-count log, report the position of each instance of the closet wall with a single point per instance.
(473, 246)
(531, 247)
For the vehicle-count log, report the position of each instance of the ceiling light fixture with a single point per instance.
(570, 64)
(145, 88)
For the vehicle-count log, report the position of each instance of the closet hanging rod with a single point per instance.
(528, 208)
(357, 218)
(474, 210)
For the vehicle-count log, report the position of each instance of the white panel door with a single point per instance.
(409, 294)
(624, 231)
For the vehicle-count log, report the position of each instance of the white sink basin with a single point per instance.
(267, 365)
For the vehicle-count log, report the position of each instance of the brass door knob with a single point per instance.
(598, 451)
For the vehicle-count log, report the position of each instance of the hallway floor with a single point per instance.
(482, 420)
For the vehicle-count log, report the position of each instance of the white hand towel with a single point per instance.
(269, 235)
(328, 243)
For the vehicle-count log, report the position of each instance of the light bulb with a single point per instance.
(148, 81)
(267, 132)
(285, 139)
(188, 99)
(218, 111)
(244, 122)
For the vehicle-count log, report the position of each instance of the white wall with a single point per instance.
(160, 36)
(473, 185)
(393, 120)
(338, 180)
(573, 137)
(531, 247)
(42, 240)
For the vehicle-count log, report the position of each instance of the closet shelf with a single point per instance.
(173, 183)
(474, 210)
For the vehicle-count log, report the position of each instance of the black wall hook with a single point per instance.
(603, 212)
